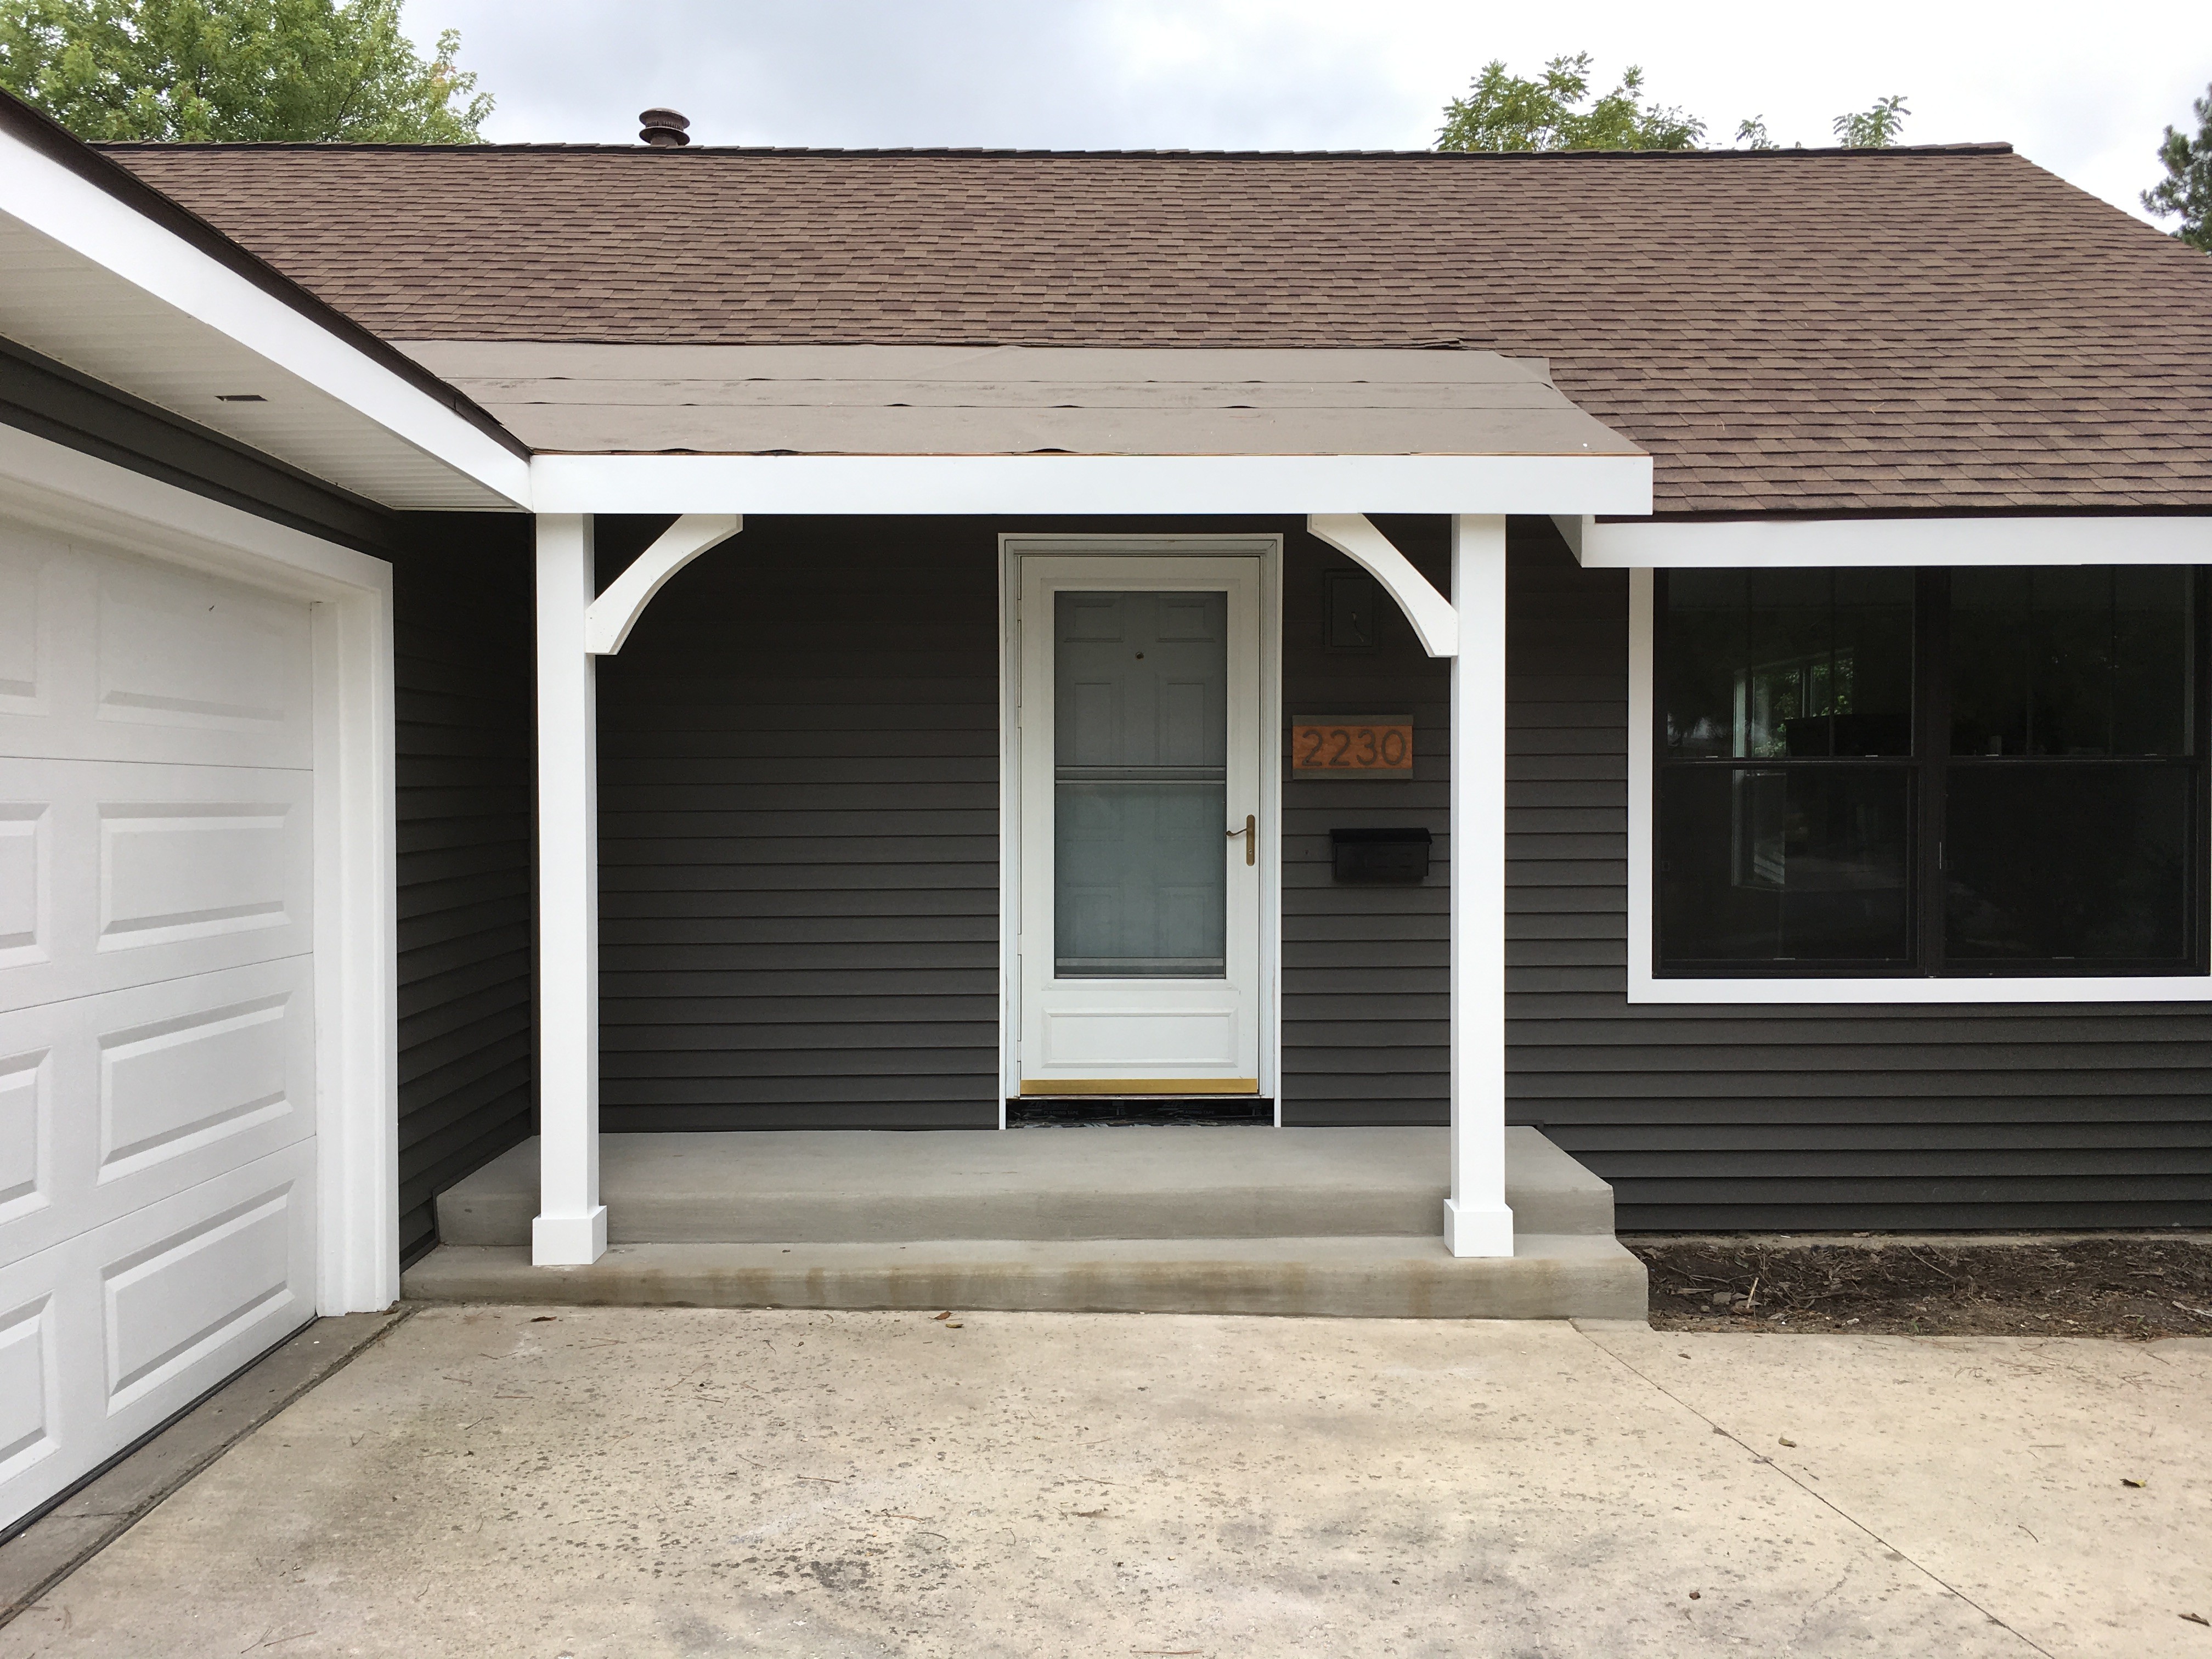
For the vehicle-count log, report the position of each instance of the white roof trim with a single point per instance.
(1091, 483)
(43, 194)
(1737, 543)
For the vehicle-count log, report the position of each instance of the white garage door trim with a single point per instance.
(356, 937)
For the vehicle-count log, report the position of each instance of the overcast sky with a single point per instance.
(2083, 89)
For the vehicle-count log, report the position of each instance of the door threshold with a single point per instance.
(1117, 1111)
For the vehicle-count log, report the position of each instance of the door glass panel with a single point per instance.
(1140, 699)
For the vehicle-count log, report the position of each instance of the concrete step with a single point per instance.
(1550, 1276)
(835, 1186)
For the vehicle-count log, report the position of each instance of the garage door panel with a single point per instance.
(111, 1102)
(114, 874)
(26, 1385)
(25, 615)
(170, 1302)
(106, 656)
(26, 1135)
(111, 1331)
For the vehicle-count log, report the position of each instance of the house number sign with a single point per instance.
(1352, 746)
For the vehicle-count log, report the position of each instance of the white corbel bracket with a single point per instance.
(615, 612)
(1433, 618)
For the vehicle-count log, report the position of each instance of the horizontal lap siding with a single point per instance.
(462, 681)
(1365, 985)
(1795, 1118)
(799, 834)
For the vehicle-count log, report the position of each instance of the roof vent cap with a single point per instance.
(664, 129)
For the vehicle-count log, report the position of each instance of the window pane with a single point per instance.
(2071, 661)
(1140, 742)
(1773, 663)
(2153, 668)
(1807, 864)
(2054, 863)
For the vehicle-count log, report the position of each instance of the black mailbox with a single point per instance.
(1400, 856)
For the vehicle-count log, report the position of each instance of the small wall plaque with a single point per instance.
(1352, 746)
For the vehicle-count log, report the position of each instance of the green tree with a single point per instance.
(1874, 129)
(236, 70)
(2186, 190)
(1504, 111)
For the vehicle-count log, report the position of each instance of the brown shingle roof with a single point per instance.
(1908, 330)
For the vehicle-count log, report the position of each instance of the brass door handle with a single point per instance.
(1251, 834)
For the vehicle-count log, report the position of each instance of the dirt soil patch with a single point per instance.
(2129, 1286)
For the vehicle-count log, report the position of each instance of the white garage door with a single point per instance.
(157, 1010)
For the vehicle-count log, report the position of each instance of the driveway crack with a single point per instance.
(1815, 1494)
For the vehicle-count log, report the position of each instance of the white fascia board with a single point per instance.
(1091, 483)
(1737, 543)
(55, 202)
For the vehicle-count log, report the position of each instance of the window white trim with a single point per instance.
(1870, 542)
(1645, 987)
(356, 938)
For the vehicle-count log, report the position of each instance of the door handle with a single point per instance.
(1251, 833)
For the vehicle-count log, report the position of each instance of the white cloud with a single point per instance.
(2085, 94)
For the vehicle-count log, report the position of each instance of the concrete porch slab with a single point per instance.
(1550, 1276)
(851, 1186)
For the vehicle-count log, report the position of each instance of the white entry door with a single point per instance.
(1142, 834)
(157, 1005)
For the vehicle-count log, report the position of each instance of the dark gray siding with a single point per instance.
(1797, 1118)
(462, 606)
(798, 833)
(1365, 968)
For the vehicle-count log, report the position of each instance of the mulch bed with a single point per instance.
(2130, 1286)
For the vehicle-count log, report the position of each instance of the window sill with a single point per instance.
(2162, 987)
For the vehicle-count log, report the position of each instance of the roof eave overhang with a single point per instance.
(107, 276)
(1092, 484)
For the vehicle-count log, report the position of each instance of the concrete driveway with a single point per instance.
(612, 1483)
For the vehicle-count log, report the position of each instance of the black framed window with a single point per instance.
(1968, 772)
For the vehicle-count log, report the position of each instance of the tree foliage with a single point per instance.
(236, 70)
(2186, 190)
(1505, 112)
(1873, 129)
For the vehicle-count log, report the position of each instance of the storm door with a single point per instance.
(1140, 917)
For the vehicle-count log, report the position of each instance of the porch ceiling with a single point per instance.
(850, 400)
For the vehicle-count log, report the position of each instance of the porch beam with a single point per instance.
(1013, 484)
(615, 612)
(1476, 1220)
(571, 1227)
(1354, 535)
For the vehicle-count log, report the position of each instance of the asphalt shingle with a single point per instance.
(1787, 330)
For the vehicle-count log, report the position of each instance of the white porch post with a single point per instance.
(1476, 1220)
(571, 1227)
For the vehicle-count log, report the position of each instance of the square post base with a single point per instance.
(570, 1240)
(1478, 1231)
